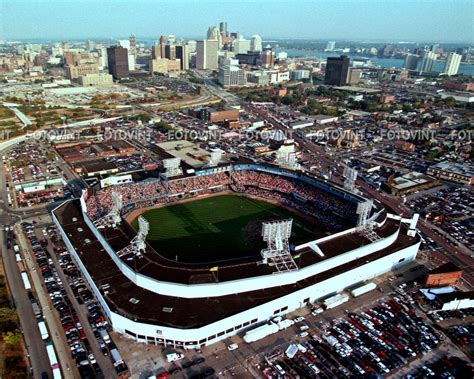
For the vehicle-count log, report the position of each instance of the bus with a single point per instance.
(26, 281)
(43, 330)
(53, 361)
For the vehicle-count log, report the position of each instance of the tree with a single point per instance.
(288, 100)
(8, 319)
(12, 338)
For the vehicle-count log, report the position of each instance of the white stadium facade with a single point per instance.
(156, 300)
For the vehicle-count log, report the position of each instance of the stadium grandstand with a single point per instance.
(155, 299)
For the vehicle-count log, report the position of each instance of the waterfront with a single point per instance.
(465, 69)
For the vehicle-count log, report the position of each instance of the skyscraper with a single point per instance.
(223, 28)
(156, 52)
(170, 51)
(212, 33)
(241, 45)
(411, 62)
(118, 61)
(179, 54)
(206, 55)
(452, 64)
(267, 56)
(336, 70)
(256, 43)
(133, 44)
(429, 58)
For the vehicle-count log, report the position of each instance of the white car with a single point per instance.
(299, 319)
(303, 334)
(233, 346)
(92, 358)
(174, 357)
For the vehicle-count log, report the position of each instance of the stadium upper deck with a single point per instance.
(193, 305)
(194, 312)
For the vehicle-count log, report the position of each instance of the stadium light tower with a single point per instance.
(364, 226)
(137, 245)
(350, 176)
(113, 217)
(276, 234)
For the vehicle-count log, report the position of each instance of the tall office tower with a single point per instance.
(452, 64)
(69, 58)
(156, 52)
(185, 55)
(117, 57)
(132, 41)
(336, 70)
(170, 51)
(411, 62)
(125, 43)
(212, 33)
(163, 40)
(90, 45)
(267, 57)
(434, 48)
(171, 39)
(256, 43)
(241, 45)
(103, 57)
(331, 46)
(179, 54)
(429, 58)
(223, 28)
(191, 44)
(207, 55)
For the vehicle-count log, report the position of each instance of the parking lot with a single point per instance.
(32, 176)
(380, 339)
(85, 326)
(451, 210)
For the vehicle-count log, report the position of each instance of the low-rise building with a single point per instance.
(96, 79)
(455, 172)
(444, 275)
(215, 115)
(74, 71)
(410, 182)
(462, 97)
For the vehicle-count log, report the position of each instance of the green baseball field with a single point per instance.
(217, 228)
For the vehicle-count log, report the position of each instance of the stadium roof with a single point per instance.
(193, 312)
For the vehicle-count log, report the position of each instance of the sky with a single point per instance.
(375, 20)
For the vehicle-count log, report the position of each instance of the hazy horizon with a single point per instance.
(349, 20)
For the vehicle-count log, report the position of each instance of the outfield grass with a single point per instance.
(217, 228)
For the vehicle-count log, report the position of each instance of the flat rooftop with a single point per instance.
(187, 151)
(186, 313)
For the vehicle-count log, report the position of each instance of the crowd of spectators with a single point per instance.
(324, 206)
(322, 200)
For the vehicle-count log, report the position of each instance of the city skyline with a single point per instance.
(409, 22)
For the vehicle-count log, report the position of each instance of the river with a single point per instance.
(465, 69)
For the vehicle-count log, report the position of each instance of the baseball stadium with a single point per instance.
(186, 260)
